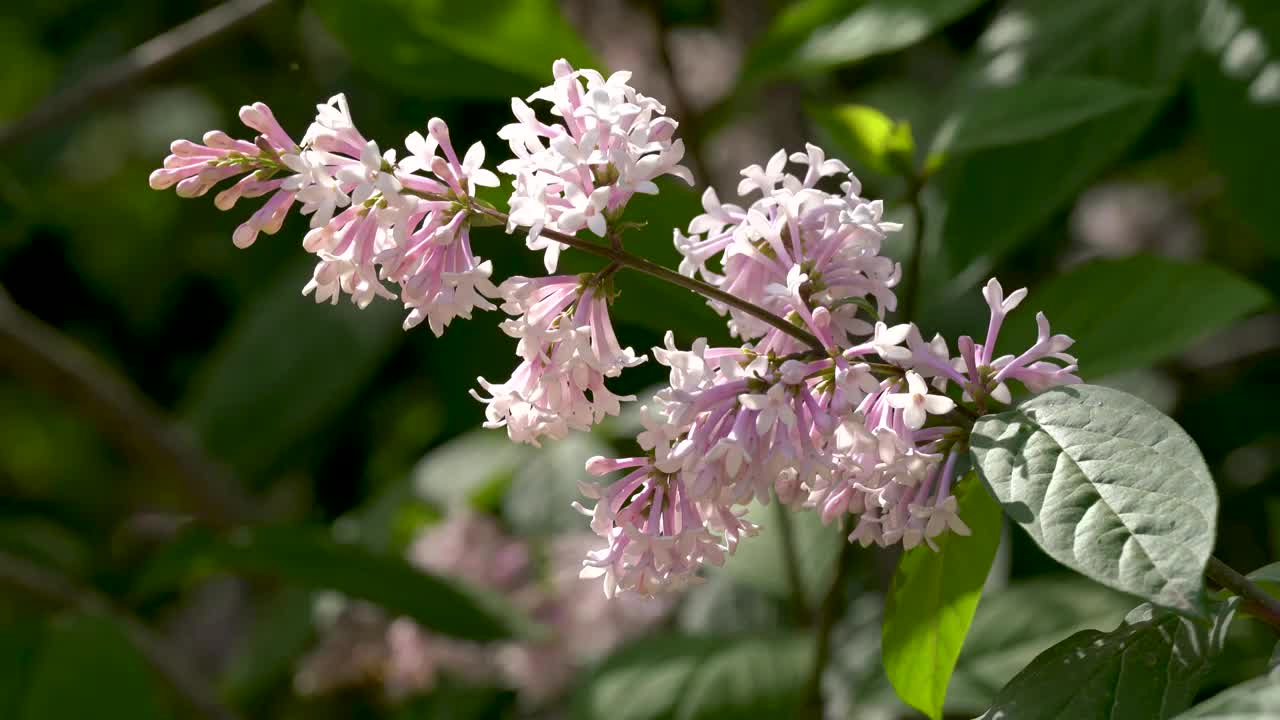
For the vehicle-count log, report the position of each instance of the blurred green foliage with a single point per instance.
(1006, 116)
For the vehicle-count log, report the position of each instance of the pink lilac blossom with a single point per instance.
(611, 142)
(799, 251)
(373, 220)
(869, 422)
(567, 348)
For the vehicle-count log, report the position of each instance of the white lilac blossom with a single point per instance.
(567, 348)
(828, 407)
(610, 143)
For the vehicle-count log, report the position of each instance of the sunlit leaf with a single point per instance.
(874, 139)
(1257, 699)
(1108, 486)
(932, 600)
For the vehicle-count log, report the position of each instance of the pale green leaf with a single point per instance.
(1108, 486)
(932, 600)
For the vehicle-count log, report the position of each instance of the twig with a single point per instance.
(791, 560)
(915, 271)
(141, 61)
(1257, 602)
(635, 262)
(39, 353)
(48, 587)
(828, 615)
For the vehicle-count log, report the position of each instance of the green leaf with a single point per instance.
(310, 558)
(282, 631)
(874, 139)
(89, 669)
(1108, 486)
(284, 369)
(1148, 667)
(932, 600)
(816, 35)
(1237, 101)
(491, 49)
(1018, 623)
(1257, 699)
(998, 197)
(1146, 43)
(1032, 110)
(1119, 324)
(760, 561)
(760, 676)
(676, 677)
(20, 644)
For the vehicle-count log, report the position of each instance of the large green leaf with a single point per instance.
(20, 644)
(89, 669)
(491, 49)
(1148, 668)
(282, 631)
(997, 197)
(675, 677)
(1032, 110)
(285, 369)
(1108, 486)
(932, 600)
(817, 35)
(1236, 88)
(1257, 699)
(310, 558)
(1119, 324)
(1018, 623)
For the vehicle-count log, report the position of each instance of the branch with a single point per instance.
(1257, 602)
(140, 62)
(48, 587)
(635, 262)
(39, 353)
(830, 613)
(791, 560)
(915, 271)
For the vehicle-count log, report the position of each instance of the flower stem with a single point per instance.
(635, 262)
(791, 559)
(828, 615)
(1257, 602)
(915, 271)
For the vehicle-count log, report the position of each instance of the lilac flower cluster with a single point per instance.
(825, 406)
